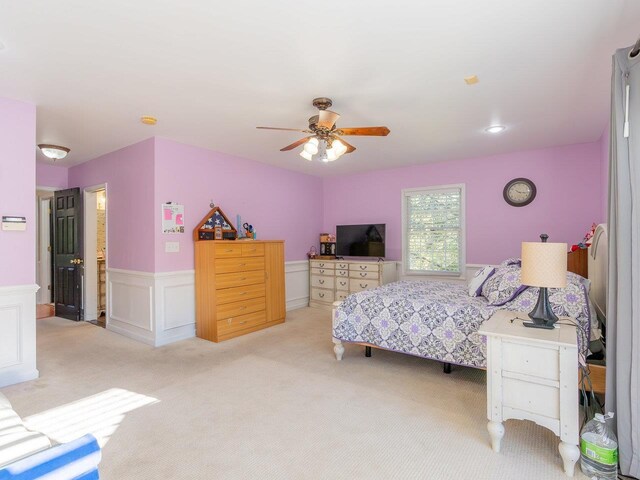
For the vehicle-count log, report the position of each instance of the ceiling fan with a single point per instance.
(326, 140)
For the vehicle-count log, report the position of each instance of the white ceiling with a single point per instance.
(212, 71)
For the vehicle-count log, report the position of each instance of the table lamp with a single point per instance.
(544, 265)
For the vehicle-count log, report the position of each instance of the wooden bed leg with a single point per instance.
(338, 349)
(446, 368)
(367, 351)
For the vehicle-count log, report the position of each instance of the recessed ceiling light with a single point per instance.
(148, 120)
(495, 129)
(54, 152)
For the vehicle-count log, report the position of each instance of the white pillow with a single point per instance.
(481, 276)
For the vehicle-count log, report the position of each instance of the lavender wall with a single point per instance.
(17, 190)
(569, 198)
(131, 211)
(48, 175)
(604, 172)
(279, 203)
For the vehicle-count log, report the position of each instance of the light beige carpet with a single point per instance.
(271, 405)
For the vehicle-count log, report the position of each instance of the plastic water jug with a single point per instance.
(599, 449)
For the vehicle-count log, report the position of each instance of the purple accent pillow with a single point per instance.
(503, 286)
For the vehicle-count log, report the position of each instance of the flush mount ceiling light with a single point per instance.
(325, 142)
(148, 120)
(54, 152)
(495, 129)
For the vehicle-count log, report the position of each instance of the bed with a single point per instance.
(439, 320)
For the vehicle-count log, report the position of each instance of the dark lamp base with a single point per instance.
(542, 315)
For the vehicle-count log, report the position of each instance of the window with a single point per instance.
(433, 230)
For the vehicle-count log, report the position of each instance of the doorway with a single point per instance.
(44, 248)
(95, 255)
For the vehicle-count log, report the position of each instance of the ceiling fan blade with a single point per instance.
(327, 119)
(295, 144)
(350, 148)
(369, 131)
(287, 129)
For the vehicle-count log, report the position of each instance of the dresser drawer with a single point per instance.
(364, 267)
(342, 284)
(227, 249)
(341, 295)
(232, 309)
(321, 264)
(228, 280)
(342, 273)
(321, 295)
(234, 324)
(356, 285)
(236, 294)
(342, 266)
(530, 360)
(250, 249)
(322, 282)
(323, 271)
(365, 275)
(241, 264)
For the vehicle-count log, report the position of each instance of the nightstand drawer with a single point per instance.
(321, 295)
(531, 398)
(364, 267)
(321, 282)
(322, 271)
(356, 285)
(365, 275)
(535, 361)
(342, 284)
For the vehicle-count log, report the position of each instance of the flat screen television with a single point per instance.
(360, 240)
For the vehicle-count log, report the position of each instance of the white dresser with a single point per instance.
(333, 280)
(532, 374)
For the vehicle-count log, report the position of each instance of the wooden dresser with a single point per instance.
(333, 280)
(239, 287)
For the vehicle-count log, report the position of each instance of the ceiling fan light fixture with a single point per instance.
(339, 147)
(311, 147)
(306, 155)
(54, 152)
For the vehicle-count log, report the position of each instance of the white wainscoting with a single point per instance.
(159, 308)
(17, 334)
(296, 276)
(470, 271)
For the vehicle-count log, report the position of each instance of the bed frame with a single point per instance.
(590, 263)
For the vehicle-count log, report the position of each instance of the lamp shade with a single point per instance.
(544, 264)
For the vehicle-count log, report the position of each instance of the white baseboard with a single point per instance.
(17, 334)
(159, 308)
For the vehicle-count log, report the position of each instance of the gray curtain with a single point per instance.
(623, 296)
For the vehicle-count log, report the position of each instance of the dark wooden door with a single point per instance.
(67, 258)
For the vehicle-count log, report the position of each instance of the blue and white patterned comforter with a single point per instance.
(438, 320)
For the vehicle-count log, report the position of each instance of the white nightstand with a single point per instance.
(532, 374)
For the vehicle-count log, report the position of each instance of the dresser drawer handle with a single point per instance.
(229, 250)
(243, 278)
(321, 282)
(244, 307)
(321, 264)
(342, 284)
(243, 293)
(363, 274)
(243, 322)
(321, 295)
(243, 264)
(364, 286)
(363, 267)
(343, 273)
(321, 271)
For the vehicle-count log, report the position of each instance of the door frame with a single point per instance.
(90, 288)
(44, 257)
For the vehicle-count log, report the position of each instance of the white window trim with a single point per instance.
(406, 192)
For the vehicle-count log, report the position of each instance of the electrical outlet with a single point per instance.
(171, 247)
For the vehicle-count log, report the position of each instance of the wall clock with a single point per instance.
(519, 192)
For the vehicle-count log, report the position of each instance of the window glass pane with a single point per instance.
(434, 230)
